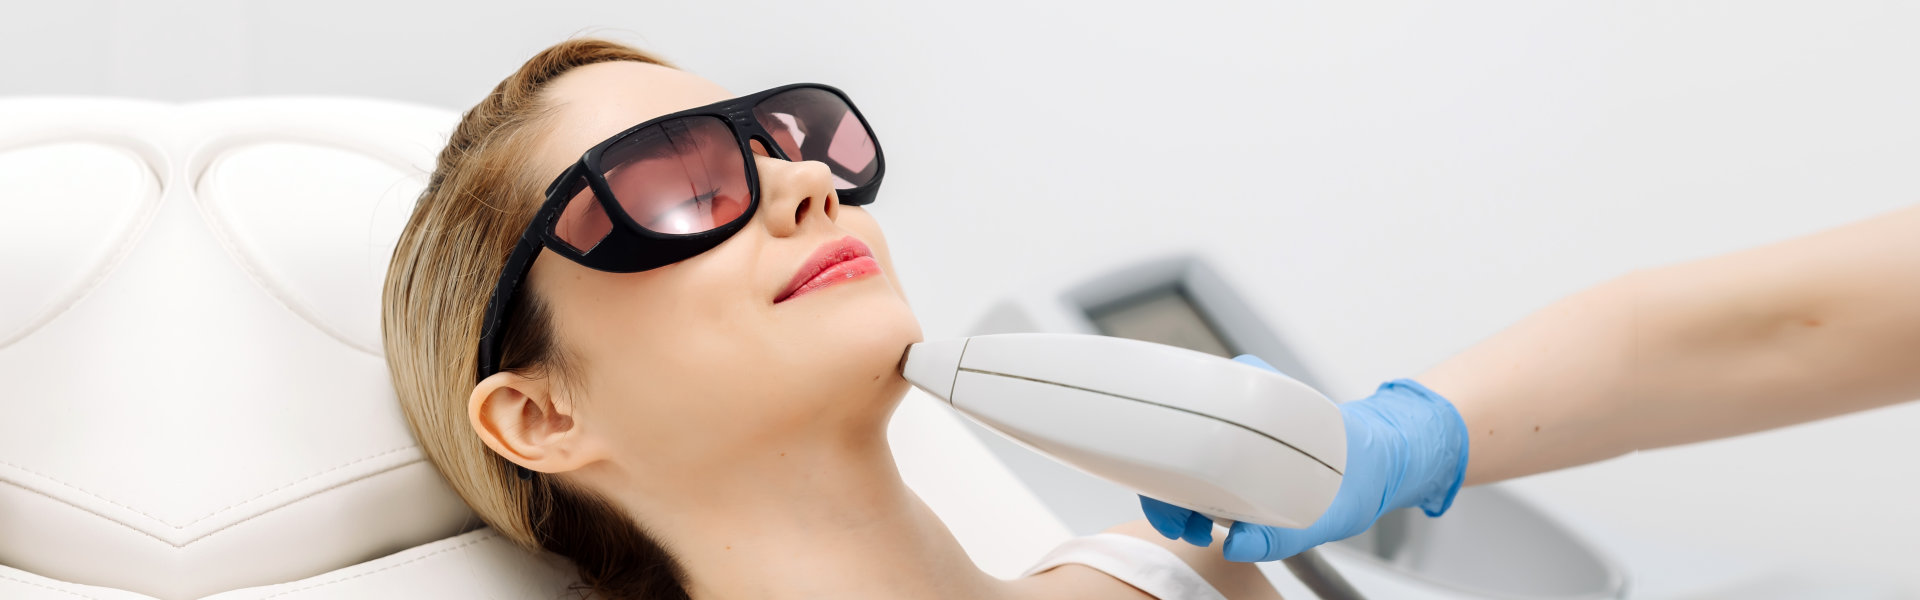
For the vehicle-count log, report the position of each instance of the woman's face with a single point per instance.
(703, 362)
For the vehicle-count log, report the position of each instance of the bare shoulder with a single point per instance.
(1236, 581)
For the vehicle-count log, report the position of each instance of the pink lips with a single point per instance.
(835, 261)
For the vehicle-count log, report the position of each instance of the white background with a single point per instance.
(1390, 181)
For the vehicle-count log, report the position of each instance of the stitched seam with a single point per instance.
(48, 587)
(223, 232)
(304, 480)
(216, 511)
(108, 518)
(117, 521)
(183, 545)
(385, 568)
(122, 248)
(292, 501)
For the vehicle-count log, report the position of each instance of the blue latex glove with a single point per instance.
(1406, 446)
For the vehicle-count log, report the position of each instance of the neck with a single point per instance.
(816, 520)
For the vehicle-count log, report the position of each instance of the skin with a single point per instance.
(749, 436)
(1801, 330)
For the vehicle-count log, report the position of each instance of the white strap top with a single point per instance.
(1137, 562)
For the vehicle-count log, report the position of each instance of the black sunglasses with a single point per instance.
(678, 185)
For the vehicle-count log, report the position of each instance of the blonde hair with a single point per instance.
(481, 196)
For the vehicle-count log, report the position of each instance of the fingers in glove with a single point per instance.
(1169, 520)
(1199, 530)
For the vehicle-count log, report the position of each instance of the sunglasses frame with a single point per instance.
(629, 247)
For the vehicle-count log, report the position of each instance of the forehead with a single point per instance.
(596, 101)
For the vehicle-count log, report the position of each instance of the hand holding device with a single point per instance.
(1406, 446)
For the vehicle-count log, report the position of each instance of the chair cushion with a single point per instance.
(197, 402)
(478, 564)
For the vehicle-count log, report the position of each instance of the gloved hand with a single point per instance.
(1406, 446)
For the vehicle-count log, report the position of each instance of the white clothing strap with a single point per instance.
(1139, 563)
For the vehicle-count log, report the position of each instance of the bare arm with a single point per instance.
(1800, 330)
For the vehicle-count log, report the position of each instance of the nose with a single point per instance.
(794, 193)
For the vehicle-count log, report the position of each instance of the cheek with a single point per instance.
(670, 325)
(687, 346)
(673, 381)
(650, 333)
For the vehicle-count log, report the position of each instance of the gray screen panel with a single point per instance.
(1165, 317)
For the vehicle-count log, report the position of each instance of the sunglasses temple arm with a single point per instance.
(493, 332)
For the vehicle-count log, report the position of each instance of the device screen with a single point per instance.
(1165, 316)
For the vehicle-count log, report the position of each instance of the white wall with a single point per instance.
(1394, 180)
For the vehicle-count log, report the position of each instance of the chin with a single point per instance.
(857, 339)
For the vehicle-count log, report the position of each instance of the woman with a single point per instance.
(701, 414)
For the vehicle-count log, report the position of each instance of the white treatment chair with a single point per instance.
(195, 401)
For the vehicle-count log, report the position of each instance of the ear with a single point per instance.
(526, 422)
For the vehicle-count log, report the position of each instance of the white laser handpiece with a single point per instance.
(1225, 439)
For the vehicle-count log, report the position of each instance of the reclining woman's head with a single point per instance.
(647, 405)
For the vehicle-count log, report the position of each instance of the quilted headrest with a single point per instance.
(189, 334)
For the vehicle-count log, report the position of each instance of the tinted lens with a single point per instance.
(815, 124)
(583, 223)
(687, 175)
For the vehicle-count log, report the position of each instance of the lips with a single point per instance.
(834, 262)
